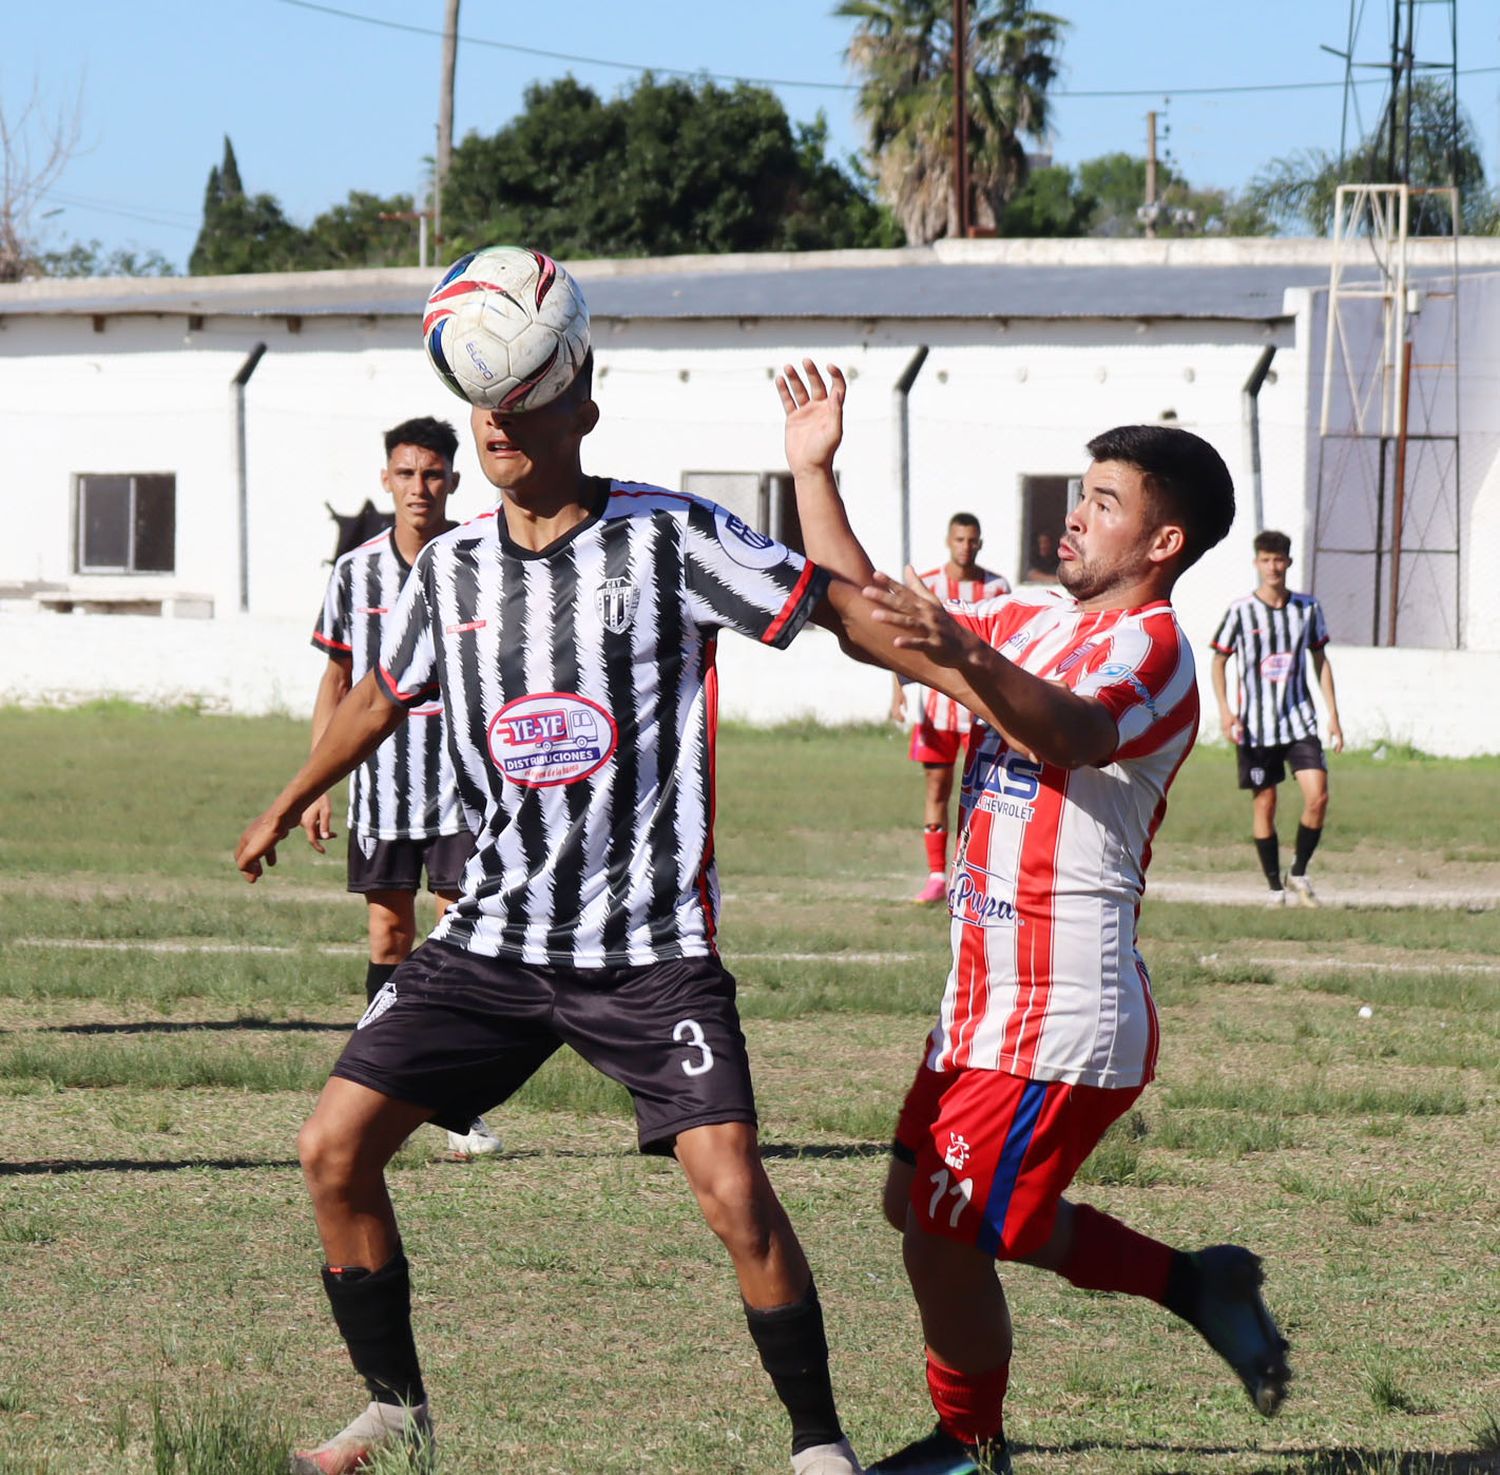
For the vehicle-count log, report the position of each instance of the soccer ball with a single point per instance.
(506, 328)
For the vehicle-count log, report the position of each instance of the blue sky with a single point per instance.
(317, 104)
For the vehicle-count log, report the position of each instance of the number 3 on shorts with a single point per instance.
(690, 1033)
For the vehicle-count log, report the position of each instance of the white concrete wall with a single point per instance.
(992, 404)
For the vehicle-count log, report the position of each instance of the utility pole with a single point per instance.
(445, 118)
(960, 120)
(1150, 211)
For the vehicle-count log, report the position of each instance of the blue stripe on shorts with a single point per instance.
(1017, 1140)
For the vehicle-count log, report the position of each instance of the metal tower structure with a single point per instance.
(1387, 533)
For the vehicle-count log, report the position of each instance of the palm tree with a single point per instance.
(904, 48)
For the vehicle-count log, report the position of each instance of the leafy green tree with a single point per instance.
(240, 232)
(366, 230)
(904, 49)
(1050, 203)
(90, 259)
(662, 169)
(1297, 191)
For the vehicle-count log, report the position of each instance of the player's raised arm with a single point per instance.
(908, 630)
(360, 723)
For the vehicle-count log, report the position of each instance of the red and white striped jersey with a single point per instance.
(939, 711)
(1047, 981)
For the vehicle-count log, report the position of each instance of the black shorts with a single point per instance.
(460, 1033)
(396, 865)
(1264, 768)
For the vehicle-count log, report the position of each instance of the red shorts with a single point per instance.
(933, 745)
(995, 1152)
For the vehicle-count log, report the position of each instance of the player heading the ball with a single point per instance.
(569, 633)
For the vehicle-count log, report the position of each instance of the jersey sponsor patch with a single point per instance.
(1277, 666)
(550, 738)
(744, 545)
(970, 903)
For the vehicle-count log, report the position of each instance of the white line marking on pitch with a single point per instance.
(1353, 965)
(339, 949)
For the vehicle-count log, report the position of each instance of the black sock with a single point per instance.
(1307, 842)
(1181, 1296)
(372, 1309)
(1269, 850)
(375, 977)
(794, 1351)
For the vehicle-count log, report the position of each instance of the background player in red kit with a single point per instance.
(404, 812)
(943, 727)
(1047, 1032)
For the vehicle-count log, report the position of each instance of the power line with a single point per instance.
(105, 208)
(626, 66)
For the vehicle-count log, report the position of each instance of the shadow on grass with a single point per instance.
(44, 1166)
(837, 1150)
(1339, 1460)
(183, 1026)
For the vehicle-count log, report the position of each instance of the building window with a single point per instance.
(127, 524)
(764, 500)
(1044, 511)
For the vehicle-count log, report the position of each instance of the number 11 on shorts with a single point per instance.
(944, 1187)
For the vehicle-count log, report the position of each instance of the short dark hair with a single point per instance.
(437, 436)
(1268, 540)
(1187, 479)
(963, 520)
(581, 386)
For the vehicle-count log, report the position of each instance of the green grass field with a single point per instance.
(165, 1029)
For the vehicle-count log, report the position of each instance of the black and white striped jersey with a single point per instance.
(580, 690)
(405, 790)
(1270, 647)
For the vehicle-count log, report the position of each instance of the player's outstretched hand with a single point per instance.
(259, 842)
(920, 621)
(814, 415)
(317, 823)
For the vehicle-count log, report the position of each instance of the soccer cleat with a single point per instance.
(936, 889)
(1276, 898)
(478, 1141)
(380, 1426)
(1231, 1316)
(1300, 888)
(826, 1459)
(939, 1453)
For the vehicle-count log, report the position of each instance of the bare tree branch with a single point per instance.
(36, 146)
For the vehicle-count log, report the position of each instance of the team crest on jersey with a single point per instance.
(550, 738)
(744, 545)
(616, 601)
(378, 1005)
(367, 844)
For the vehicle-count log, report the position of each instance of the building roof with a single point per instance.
(1238, 281)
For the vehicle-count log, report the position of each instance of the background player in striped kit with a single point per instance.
(404, 813)
(1047, 1032)
(943, 728)
(1270, 633)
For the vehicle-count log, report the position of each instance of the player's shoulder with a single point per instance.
(477, 529)
(988, 578)
(645, 499)
(1304, 601)
(371, 550)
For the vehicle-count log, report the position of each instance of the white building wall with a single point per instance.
(989, 406)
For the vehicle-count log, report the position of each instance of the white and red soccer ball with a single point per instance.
(506, 328)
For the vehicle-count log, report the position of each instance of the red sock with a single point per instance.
(1107, 1255)
(935, 838)
(970, 1406)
